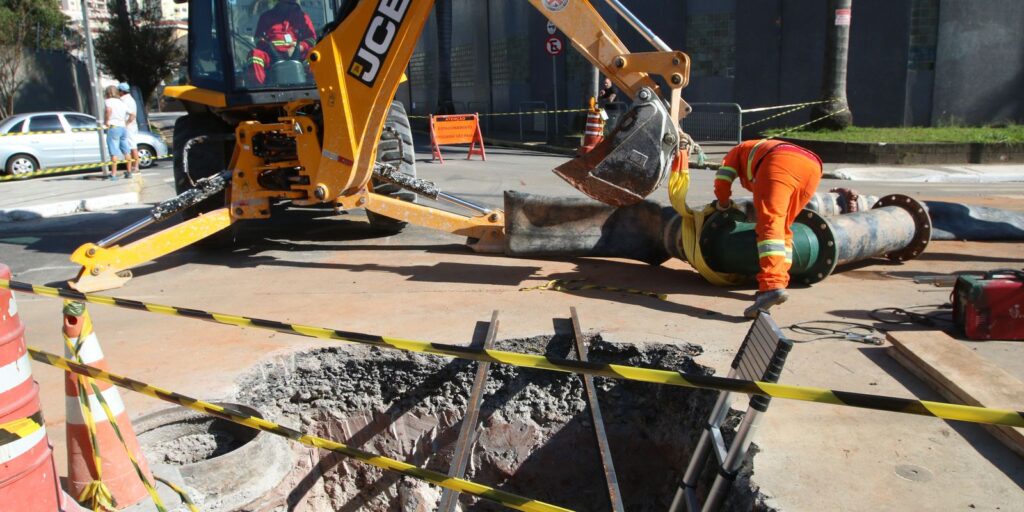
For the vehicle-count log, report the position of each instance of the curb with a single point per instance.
(92, 204)
(923, 175)
(544, 148)
(876, 153)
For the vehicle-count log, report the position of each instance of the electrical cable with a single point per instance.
(837, 330)
(900, 316)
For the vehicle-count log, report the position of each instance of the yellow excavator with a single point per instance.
(322, 129)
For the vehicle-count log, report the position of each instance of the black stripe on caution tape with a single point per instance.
(575, 285)
(504, 498)
(49, 132)
(20, 428)
(614, 371)
(522, 113)
(68, 168)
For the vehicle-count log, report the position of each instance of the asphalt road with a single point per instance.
(38, 250)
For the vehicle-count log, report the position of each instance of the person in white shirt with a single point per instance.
(116, 117)
(132, 127)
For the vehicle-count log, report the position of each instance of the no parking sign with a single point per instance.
(554, 46)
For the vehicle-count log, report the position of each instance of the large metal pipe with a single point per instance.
(542, 226)
(950, 221)
(897, 227)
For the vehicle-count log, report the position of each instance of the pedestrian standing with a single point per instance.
(132, 126)
(783, 177)
(608, 92)
(115, 119)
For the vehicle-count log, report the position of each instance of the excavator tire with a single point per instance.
(204, 160)
(395, 148)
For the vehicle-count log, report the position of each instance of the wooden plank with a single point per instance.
(961, 376)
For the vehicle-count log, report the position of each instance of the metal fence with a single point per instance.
(714, 122)
(531, 126)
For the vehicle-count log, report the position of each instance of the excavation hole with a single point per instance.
(536, 437)
(179, 437)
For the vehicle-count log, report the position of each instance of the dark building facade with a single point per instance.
(911, 62)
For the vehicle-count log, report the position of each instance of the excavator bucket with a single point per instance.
(633, 160)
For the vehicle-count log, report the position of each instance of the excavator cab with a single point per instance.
(244, 53)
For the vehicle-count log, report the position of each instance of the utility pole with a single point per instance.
(94, 81)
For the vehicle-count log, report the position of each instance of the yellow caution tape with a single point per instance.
(68, 168)
(507, 499)
(20, 428)
(614, 371)
(575, 285)
(523, 113)
(49, 132)
(181, 492)
(777, 107)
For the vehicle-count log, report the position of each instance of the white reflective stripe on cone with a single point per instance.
(74, 409)
(15, 373)
(90, 352)
(16, 448)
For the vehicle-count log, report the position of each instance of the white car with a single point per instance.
(43, 140)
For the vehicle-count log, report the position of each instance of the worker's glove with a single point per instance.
(720, 207)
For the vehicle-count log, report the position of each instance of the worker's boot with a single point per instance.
(763, 301)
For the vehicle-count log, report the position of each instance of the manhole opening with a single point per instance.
(535, 436)
(193, 438)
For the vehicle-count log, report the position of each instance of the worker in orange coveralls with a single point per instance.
(783, 177)
(283, 32)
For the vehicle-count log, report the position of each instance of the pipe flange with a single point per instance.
(828, 248)
(717, 222)
(922, 225)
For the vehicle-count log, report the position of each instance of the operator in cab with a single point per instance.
(284, 32)
(783, 177)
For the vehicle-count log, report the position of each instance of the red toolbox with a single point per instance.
(990, 307)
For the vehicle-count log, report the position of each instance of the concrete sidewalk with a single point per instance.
(63, 195)
(975, 173)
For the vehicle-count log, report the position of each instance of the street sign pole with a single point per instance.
(554, 89)
(554, 46)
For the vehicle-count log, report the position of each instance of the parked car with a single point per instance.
(42, 140)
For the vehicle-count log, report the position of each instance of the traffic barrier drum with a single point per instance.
(28, 477)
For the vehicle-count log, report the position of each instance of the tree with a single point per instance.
(135, 48)
(833, 86)
(25, 25)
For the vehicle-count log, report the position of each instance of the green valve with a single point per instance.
(729, 244)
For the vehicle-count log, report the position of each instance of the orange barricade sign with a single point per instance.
(456, 129)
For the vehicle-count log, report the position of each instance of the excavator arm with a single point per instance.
(357, 66)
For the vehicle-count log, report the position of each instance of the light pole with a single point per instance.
(94, 82)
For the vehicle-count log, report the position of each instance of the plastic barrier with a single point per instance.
(456, 129)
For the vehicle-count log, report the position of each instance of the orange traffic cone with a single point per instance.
(593, 132)
(28, 475)
(100, 470)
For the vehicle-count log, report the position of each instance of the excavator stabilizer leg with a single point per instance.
(633, 160)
